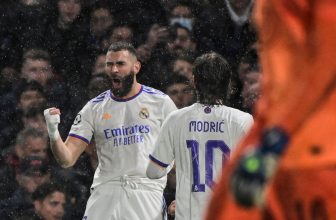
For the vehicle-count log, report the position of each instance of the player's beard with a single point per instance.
(125, 84)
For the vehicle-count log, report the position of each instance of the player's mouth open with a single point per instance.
(117, 83)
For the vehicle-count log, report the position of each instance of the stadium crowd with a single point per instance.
(53, 54)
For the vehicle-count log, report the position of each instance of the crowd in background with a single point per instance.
(52, 53)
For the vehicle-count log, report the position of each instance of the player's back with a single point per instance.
(202, 139)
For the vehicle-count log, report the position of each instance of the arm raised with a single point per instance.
(66, 153)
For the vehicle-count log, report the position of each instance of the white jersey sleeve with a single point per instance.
(168, 107)
(242, 127)
(82, 126)
(164, 152)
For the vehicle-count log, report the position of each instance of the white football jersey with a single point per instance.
(124, 131)
(200, 140)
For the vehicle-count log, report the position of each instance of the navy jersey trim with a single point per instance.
(157, 161)
(80, 137)
(100, 97)
(153, 91)
(128, 99)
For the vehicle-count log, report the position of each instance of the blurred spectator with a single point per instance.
(32, 172)
(119, 32)
(99, 65)
(66, 40)
(49, 201)
(34, 118)
(182, 13)
(8, 78)
(140, 14)
(155, 57)
(157, 37)
(251, 89)
(29, 142)
(182, 64)
(250, 76)
(36, 65)
(10, 51)
(101, 20)
(179, 89)
(33, 18)
(98, 84)
(225, 26)
(163, 44)
(30, 95)
(181, 40)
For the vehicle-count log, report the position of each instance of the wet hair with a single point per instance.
(212, 75)
(119, 46)
(47, 189)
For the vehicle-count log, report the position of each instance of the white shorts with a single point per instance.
(125, 200)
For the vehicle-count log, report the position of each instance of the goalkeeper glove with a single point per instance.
(256, 167)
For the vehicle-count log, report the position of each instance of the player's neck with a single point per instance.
(135, 90)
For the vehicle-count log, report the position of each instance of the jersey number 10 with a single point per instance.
(210, 147)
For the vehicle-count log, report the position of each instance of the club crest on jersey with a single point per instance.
(144, 113)
(78, 119)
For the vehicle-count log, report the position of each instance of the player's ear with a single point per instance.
(137, 67)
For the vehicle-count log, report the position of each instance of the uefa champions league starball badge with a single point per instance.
(207, 110)
(144, 113)
(78, 119)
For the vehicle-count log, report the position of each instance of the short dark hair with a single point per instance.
(212, 75)
(119, 46)
(36, 54)
(47, 189)
(30, 86)
(24, 134)
(176, 78)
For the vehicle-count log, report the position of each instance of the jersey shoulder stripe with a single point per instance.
(153, 91)
(101, 97)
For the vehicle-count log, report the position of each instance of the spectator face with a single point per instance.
(251, 89)
(31, 182)
(239, 5)
(99, 66)
(69, 10)
(182, 41)
(8, 77)
(121, 34)
(182, 15)
(30, 99)
(101, 20)
(184, 68)
(52, 207)
(34, 146)
(121, 66)
(97, 85)
(181, 94)
(37, 70)
(35, 122)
